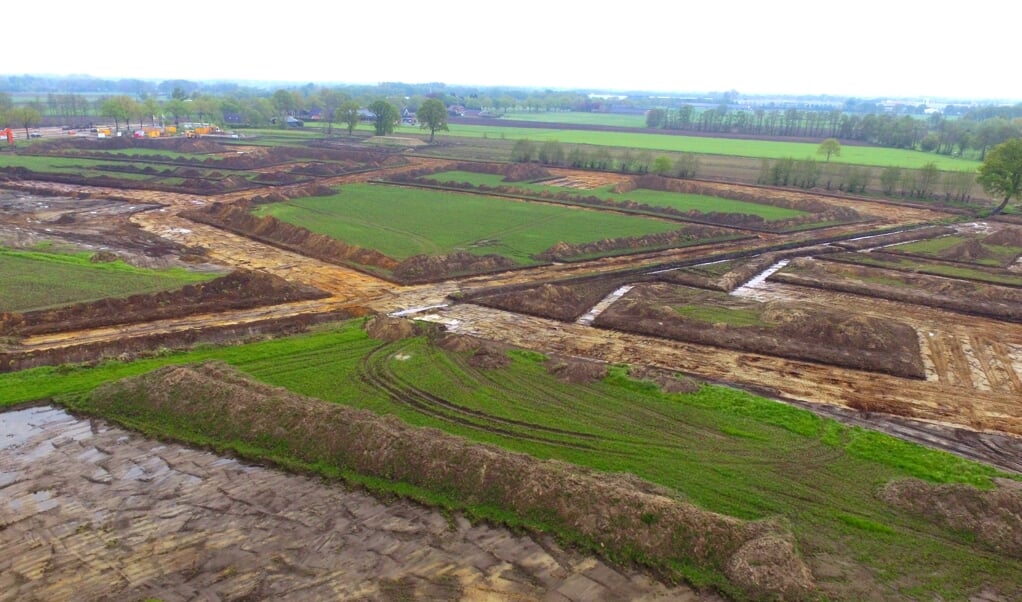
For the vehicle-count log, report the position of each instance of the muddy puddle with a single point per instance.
(93, 512)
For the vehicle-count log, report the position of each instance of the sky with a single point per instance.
(868, 48)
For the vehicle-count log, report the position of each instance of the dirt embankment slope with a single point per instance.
(610, 512)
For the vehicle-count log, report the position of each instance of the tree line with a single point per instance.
(977, 130)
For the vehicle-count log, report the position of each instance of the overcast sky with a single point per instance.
(866, 48)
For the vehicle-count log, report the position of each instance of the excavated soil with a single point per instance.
(94, 512)
(999, 302)
(758, 557)
(239, 290)
(801, 331)
(994, 517)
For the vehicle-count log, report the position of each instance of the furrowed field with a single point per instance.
(721, 448)
(402, 222)
(36, 280)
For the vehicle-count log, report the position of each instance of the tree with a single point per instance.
(385, 117)
(24, 117)
(347, 114)
(829, 147)
(432, 116)
(1001, 172)
(522, 151)
(661, 165)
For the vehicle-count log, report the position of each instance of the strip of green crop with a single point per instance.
(721, 448)
(36, 280)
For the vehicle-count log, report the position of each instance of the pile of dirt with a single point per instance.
(241, 289)
(893, 238)
(236, 218)
(490, 356)
(608, 512)
(577, 371)
(458, 343)
(968, 251)
(432, 268)
(802, 331)
(565, 301)
(995, 516)
(688, 235)
(386, 328)
(669, 382)
(1006, 237)
(525, 172)
(976, 298)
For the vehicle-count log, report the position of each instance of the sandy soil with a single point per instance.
(93, 512)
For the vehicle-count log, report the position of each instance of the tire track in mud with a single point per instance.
(375, 371)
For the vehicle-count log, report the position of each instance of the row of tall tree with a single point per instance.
(950, 136)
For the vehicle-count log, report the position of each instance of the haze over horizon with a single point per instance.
(876, 49)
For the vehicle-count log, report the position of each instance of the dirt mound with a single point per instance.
(605, 510)
(1007, 237)
(564, 302)
(969, 251)
(386, 328)
(458, 343)
(803, 331)
(237, 219)
(525, 172)
(563, 251)
(669, 382)
(432, 268)
(575, 371)
(238, 290)
(490, 356)
(994, 516)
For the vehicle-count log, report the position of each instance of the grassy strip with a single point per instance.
(764, 149)
(403, 221)
(720, 448)
(37, 280)
(656, 198)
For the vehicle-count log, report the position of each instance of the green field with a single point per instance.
(580, 118)
(857, 155)
(402, 222)
(1000, 256)
(655, 198)
(723, 449)
(36, 280)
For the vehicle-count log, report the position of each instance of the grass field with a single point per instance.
(1000, 256)
(402, 222)
(579, 118)
(858, 155)
(36, 280)
(655, 198)
(723, 449)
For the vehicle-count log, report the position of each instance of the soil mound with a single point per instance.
(994, 516)
(237, 219)
(525, 172)
(669, 382)
(489, 356)
(804, 332)
(238, 290)
(605, 510)
(564, 302)
(458, 343)
(1008, 237)
(968, 251)
(386, 328)
(579, 372)
(431, 268)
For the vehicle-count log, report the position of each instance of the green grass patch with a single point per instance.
(402, 222)
(725, 315)
(579, 118)
(765, 149)
(655, 198)
(38, 280)
(723, 449)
